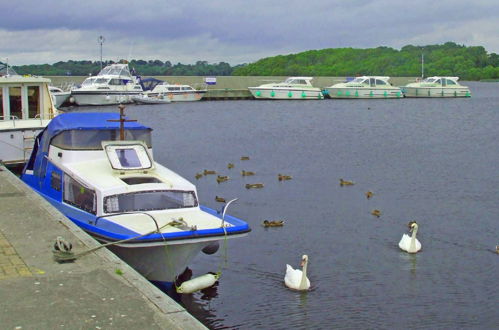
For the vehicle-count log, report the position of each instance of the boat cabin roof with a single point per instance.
(116, 70)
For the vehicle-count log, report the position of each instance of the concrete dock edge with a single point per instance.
(28, 266)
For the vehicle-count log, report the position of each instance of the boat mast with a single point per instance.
(422, 64)
(122, 121)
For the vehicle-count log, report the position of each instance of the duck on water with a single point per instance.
(98, 170)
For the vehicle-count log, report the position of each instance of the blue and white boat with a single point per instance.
(98, 170)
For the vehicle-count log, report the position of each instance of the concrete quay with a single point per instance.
(97, 291)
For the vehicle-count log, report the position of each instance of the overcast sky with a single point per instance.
(233, 31)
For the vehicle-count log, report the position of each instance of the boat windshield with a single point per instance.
(116, 70)
(359, 80)
(295, 81)
(80, 139)
(88, 81)
(101, 81)
(149, 201)
(430, 80)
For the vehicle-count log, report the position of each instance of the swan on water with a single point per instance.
(408, 243)
(296, 279)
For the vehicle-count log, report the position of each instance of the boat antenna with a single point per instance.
(122, 121)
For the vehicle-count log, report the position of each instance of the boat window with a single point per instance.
(451, 82)
(358, 80)
(128, 157)
(88, 81)
(55, 181)
(91, 139)
(150, 200)
(429, 80)
(140, 180)
(16, 107)
(78, 195)
(380, 82)
(101, 81)
(438, 82)
(33, 101)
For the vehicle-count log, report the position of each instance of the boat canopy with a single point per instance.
(116, 70)
(84, 131)
(148, 84)
(6, 70)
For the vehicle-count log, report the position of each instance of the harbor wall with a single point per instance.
(230, 82)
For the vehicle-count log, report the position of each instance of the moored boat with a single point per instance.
(59, 96)
(436, 86)
(176, 92)
(158, 99)
(293, 88)
(113, 85)
(26, 107)
(98, 170)
(365, 87)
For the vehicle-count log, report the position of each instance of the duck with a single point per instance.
(369, 194)
(410, 244)
(245, 158)
(206, 172)
(199, 176)
(376, 213)
(497, 249)
(297, 279)
(247, 173)
(346, 183)
(230, 165)
(273, 223)
(254, 185)
(282, 177)
(222, 178)
(220, 199)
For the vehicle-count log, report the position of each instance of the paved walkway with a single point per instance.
(98, 291)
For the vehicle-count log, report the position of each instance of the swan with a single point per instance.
(410, 244)
(296, 279)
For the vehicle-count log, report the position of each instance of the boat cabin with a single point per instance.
(442, 81)
(80, 160)
(366, 81)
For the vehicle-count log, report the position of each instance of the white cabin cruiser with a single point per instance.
(436, 86)
(26, 107)
(293, 88)
(113, 85)
(98, 170)
(175, 92)
(58, 95)
(365, 87)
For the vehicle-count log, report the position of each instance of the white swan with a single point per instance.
(410, 244)
(297, 279)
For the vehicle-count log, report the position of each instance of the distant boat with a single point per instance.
(293, 88)
(437, 86)
(113, 85)
(144, 99)
(365, 87)
(176, 92)
(58, 95)
(26, 107)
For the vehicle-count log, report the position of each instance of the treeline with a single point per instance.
(143, 68)
(449, 59)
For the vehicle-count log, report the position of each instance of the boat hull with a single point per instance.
(436, 92)
(364, 93)
(286, 94)
(99, 98)
(187, 96)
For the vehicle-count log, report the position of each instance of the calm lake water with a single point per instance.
(430, 160)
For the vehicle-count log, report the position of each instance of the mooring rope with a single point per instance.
(62, 249)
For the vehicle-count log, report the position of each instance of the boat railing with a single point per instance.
(10, 117)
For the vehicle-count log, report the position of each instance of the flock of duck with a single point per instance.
(297, 279)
